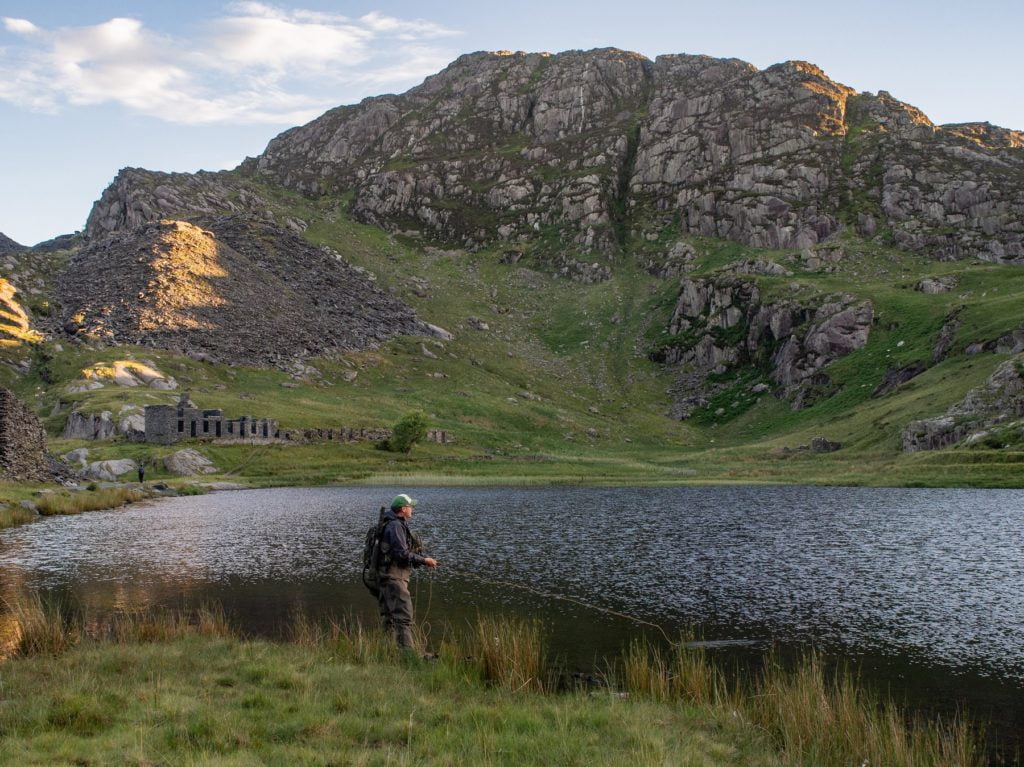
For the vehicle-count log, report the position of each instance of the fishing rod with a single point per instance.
(550, 595)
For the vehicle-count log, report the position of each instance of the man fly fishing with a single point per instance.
(392, 552)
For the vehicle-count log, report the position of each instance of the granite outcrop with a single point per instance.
(722, 324)
(593, 151)
(992, 411)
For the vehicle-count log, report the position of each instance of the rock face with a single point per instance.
(89, 426)
(7, 245)
(721, 324)
(15, 324)
(588, 150)
(23, 456)
(138, 197)
(996, 405)
(242, 291)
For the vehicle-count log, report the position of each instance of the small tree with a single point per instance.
(407, 432)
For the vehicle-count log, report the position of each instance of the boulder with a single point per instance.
(896, 377)
(188, 463)
(109, 471)
(942, 284)
(79, 457)
(132, 426)
(719, 324)
(438, 332)
(822, 445)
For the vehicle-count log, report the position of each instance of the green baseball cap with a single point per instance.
(403, 500)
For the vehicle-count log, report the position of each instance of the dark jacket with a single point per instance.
(397, 542)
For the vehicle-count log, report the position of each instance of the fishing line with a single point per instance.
(552, 595)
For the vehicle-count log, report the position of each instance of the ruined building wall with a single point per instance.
(22, 442)
(161, 424)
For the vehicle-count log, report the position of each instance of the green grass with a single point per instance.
(166, 687)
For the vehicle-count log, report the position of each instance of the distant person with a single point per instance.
(142, 472)
(400, 551)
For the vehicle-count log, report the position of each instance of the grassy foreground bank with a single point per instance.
(150, 689)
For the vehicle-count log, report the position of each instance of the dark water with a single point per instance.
(922, 590)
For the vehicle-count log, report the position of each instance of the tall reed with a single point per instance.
(41, 627)
(11, 515)
(683, 674)
(830, 719)
(51, 627)
(350, 639)
(509, 653)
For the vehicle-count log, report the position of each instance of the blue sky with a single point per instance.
(89, 87)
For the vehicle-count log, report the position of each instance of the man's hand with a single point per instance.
(430, 562)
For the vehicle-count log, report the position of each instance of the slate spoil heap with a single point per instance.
(243, 291)
(23, 456)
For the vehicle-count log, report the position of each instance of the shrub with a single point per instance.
(407, 432)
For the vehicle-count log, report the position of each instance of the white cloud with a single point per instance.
(255, 63)
(20, 26)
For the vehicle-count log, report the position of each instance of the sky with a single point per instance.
(88, 87)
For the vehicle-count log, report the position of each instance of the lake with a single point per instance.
(921, 589)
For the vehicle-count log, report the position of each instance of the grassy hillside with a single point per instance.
(560, 388)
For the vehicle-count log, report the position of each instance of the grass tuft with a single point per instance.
(509, 653)
(11, 515)
(76, 503)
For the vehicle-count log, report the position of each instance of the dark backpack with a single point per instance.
(375, 558)
(372, 556)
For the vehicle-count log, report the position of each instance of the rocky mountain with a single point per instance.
(240, 291)
(595, 150)
(752, 229)
(7, 245)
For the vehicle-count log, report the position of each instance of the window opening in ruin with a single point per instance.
(206, 427)
(254, 428)
(181, 426)
(264, 429)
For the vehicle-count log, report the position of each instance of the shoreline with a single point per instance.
(180, 687)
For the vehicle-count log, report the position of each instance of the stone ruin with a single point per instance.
(167, 424)
(363, 434)
(23, 456)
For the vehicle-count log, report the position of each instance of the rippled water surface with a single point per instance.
(927, 585)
